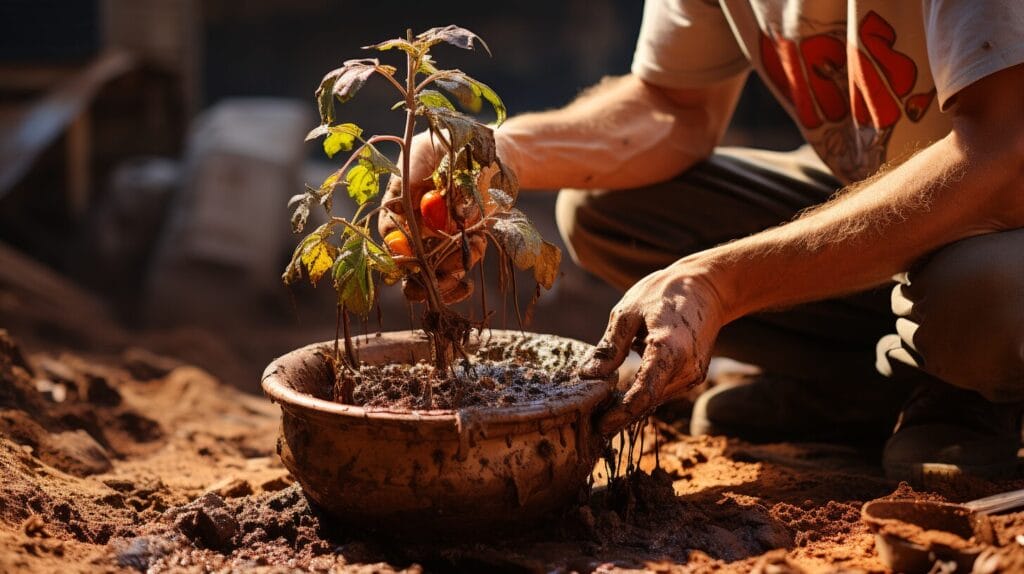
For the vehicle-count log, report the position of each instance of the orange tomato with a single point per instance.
(398, 243)
(435, 211)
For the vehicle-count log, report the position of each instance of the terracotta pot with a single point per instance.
(436, 473)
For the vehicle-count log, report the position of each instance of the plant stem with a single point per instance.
(434, 301)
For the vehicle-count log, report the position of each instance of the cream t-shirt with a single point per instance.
(867, 81)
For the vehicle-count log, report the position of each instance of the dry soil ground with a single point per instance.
(116, 455)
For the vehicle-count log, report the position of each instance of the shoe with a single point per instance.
(766, 408)
(944, 432)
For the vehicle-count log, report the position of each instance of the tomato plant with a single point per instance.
(457, 211)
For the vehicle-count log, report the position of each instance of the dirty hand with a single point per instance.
(672, 318)
(450, 273)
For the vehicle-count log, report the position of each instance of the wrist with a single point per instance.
(715, 278)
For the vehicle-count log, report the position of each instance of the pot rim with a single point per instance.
(594, 392)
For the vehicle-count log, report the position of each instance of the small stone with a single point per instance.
(75, 452)
(231, 487)
(277, 483)
(208, 521)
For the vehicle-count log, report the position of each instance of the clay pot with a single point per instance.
(436, 473)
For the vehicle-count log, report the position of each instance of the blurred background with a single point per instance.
(148, 149)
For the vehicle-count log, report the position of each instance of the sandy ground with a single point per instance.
(139, 461)
(118, 453)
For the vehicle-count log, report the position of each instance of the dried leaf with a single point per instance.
(313, 255)
(342, 83)
(454, 35)
(545, 269)
(300, 203)
(518, 237)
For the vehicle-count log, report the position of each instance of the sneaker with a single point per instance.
(766, 408)
(944, 432)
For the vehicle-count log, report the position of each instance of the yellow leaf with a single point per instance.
(317, 258)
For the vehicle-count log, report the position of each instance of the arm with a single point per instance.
(622, 133)
(968, 183)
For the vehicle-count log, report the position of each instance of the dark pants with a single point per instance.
(963, 306)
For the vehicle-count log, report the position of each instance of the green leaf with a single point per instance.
(545, 269)
(341, 138)
(351, 277)
(518, 237)
(399, 43)
(363, 179)
(470, 93)
(434, 99)
(381, 261)
(454, 35)
(362, 183)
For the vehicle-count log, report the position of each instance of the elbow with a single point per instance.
(996, 164)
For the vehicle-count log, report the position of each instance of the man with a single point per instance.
(916, 108)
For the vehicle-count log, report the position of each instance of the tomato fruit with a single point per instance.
(435, 211)
(398, 243)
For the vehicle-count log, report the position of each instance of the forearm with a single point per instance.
(949, 191)
(622, 133)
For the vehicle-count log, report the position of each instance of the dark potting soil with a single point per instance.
(497, 373)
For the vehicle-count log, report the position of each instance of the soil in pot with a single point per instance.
(493, 374)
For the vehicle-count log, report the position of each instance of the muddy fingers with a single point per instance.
(614, 345)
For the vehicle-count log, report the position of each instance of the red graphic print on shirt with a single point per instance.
(824, 79)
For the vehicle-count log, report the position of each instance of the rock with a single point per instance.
(75, 452)
(99, 391)
(146, 365)
(208, 521)
(231, 487)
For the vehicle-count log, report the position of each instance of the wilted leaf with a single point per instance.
(300, 203)
(342, 83)
(314, 255)
(501, 199)
(517, 237)
(454, 35)
(341, 138)
(462, 131)
(545, 269)
(506, 180)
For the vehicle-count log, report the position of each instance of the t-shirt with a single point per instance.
(867, 81)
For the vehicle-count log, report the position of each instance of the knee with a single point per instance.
(966, 314)
(578, 218)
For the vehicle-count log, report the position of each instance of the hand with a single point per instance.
(672, 317)
(451, 275)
